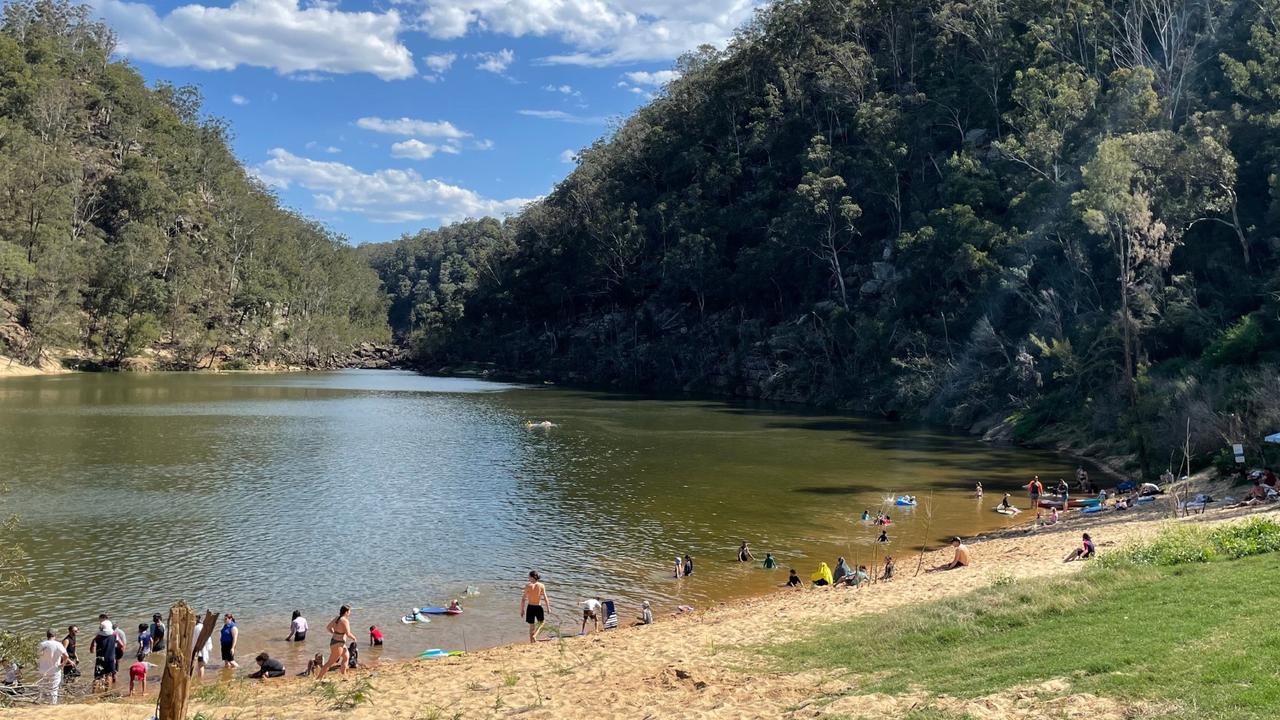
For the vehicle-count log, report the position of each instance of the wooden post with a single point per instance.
(175, 683)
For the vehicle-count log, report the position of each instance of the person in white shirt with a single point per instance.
(297, 627)
(201, 656)
(51, 656)
(590, 611)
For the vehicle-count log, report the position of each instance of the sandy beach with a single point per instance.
(696, 666)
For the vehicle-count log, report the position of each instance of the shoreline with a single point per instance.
(696, 665)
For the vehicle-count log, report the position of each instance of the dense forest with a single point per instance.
(1055, 221)
(127, 225)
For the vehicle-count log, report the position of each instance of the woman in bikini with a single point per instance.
(339, 630)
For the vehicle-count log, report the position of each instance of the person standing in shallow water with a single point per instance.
(534, 604)
(227, 640)
(158, 633)
(744, 553)
(688, 566)
(339, 630)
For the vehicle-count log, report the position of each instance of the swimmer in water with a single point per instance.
(543, 424)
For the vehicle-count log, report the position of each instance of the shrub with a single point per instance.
(1190, 544)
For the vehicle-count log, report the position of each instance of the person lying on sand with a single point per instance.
(960, 560)
(1084, 552)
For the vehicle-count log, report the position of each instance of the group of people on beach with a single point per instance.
(59, 662)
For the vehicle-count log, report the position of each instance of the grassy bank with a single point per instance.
(1183, 625)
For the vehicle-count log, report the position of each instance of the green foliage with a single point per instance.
(127, 223)
(1194, 544)
(345, 695)
(1238, 344)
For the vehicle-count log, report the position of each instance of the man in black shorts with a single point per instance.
(534, 604)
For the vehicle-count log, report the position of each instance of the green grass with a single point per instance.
(1201, 636)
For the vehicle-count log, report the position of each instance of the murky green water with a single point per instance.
(259, 494)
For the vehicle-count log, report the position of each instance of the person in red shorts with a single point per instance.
(138, 675)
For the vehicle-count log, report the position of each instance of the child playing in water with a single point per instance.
(794, 580)
(138, 674)
(375, 636)
(884, 537)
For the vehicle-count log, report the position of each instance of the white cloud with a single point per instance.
(239, 100)
(485, 144)
(601, 32)
(563, 90)
(388, 195)
(495, 62)
(563, 116)
(414, 149)
(568, 157)
(438, 65)
(651, 79)
(277, 34)
(333, 150)
(410, 127)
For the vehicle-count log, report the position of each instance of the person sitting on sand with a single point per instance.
(313, 664)
(841, 572)
(961, 558)
(744, 553)
(1053, 515)
(268, 667)
(646, 614)
(1084, 552)
(822, 576)
(769, 562)
(861, 576)
(793, 580)
(888, 568)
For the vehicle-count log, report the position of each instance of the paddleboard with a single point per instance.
(439, 611)
(1006, 511)
(410, 620)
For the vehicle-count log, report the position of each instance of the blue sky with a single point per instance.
(380, 118)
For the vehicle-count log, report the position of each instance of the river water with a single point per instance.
(261, 494)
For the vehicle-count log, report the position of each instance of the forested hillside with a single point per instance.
(1059, 216)
(126, 223)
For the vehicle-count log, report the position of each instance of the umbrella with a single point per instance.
(1274, 438)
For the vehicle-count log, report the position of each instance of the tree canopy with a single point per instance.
(1057, 216)
(126, 222)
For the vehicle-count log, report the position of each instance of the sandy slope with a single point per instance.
(696, 666)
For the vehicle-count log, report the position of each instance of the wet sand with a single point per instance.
(694, 666)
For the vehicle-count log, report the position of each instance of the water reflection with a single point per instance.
(261, 494)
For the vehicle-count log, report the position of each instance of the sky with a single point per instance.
(382, 117)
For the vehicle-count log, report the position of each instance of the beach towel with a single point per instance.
(610, 615)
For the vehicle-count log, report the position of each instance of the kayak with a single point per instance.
(904, 500)
(435, 653)
(439, 611)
